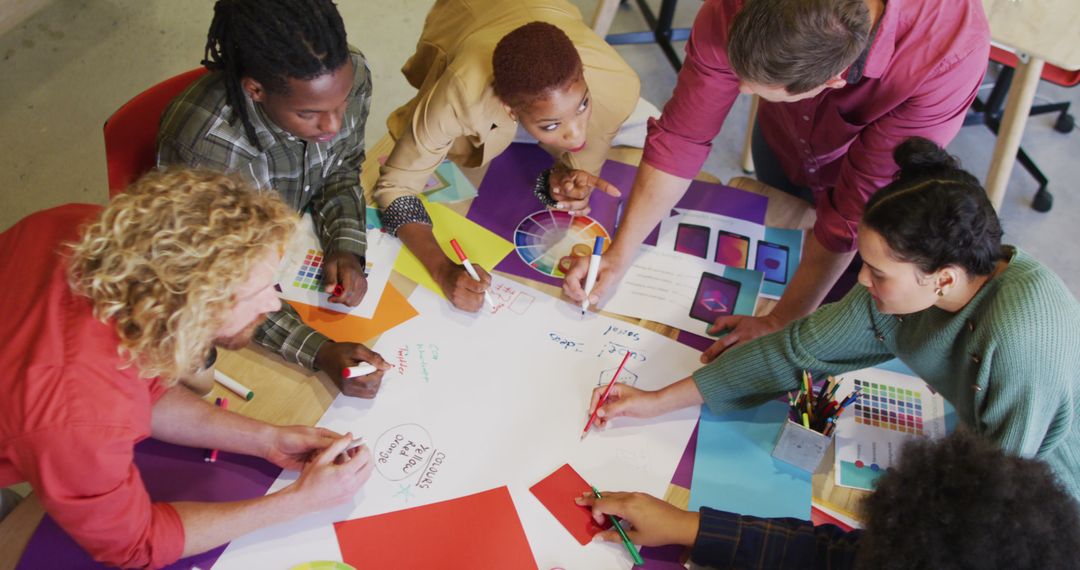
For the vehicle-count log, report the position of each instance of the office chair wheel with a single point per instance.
(1043, 201)
(1065, 123)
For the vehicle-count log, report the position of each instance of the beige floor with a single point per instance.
(66, 68)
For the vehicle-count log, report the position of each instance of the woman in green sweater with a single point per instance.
(987, 326)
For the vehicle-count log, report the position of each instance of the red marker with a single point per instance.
(469, 268)
(338, 290)
(603, 398)
(211, 454)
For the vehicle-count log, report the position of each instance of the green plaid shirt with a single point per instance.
(198, 129)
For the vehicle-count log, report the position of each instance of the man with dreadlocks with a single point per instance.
(483, 68)
(284, 106)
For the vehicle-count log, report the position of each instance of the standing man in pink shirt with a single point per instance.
(842, 83)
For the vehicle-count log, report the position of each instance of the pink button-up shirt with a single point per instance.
(922, 72)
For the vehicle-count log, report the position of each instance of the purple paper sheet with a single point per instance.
(667, 557)
(171, 473)
(505, 198)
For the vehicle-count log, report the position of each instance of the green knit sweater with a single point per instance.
(1009, 361)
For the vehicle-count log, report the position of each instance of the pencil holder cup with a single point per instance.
(800, 447)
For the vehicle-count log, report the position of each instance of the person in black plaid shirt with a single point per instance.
(955, 503)
(284, 107)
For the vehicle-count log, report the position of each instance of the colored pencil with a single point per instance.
(603, 398)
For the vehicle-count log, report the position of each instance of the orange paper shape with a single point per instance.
(476, 531)
(557, 492)
(392, 310)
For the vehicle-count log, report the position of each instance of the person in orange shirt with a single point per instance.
(105, 311)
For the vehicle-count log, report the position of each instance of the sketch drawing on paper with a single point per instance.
(508, 297)
(627, 376)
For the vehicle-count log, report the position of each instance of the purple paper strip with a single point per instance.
(684, 472)
(505, 198)
(171, 473)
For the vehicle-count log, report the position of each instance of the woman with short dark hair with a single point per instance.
(483, 68)
(984, 324)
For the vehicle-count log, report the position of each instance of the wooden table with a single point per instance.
(289, 394)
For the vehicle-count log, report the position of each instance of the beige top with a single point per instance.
(456, 114)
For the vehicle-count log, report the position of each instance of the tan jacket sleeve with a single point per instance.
(423, 144)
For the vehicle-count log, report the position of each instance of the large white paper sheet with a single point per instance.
(499, 398)
(894, 408)
(300, 272)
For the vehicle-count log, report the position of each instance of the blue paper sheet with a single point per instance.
(734, 469)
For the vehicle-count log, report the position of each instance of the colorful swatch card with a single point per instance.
(300, 275)
(893, 408)
(557, 492)
(476, 531)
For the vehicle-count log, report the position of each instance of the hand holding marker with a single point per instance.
(470, 269)
(594, 269)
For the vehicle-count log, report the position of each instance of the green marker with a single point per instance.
(625, 539)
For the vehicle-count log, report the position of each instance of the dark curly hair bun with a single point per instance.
(921, 157)
(934, 213)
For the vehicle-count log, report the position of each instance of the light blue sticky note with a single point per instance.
(784, 246)
(374, 221)
(449, 184)
(734, 469)
(749, 286)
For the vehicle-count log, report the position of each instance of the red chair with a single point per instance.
(131, 131)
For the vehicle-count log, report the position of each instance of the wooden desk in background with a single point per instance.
(288, 394)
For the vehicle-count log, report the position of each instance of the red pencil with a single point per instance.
(603, 398)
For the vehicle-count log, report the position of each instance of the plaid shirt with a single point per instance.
(728, 540)
(199, 129)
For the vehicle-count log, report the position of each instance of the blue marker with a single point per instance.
(594, 268)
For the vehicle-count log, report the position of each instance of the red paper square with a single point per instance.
(557, 492)
(477, 531)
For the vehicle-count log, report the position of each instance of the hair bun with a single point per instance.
(918, 156)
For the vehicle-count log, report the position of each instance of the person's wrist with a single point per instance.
(690, 525)
(266, 436)
(323, 355)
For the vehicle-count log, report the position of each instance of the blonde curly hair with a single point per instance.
(166, 257)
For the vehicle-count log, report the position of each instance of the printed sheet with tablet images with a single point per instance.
(894, 408)
(479, 401)
(734, 242)
(683, 291)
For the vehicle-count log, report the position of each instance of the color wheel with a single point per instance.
(545, 237)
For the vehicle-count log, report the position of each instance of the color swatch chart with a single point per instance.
(889, 407)
(309, 276)
(544, 238)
